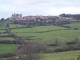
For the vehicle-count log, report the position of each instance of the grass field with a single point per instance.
(58, 56)
(2, 30)
(61, 56)
(15, 25)
(7, 48)
(2, 26)
(7, 38)
(38, 29)
(74, 25)
(45, 34)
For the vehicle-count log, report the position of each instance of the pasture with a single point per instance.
(74, 25)
(7, 48)
(48, 33)
(2, 26)
(7, 38)
(44, 34)
(58, 56)
(61, 55)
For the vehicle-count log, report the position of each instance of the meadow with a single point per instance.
(58, 56)
(7, 48)
(47, 35)
(74, 25)
(2, 26)
(61, 55)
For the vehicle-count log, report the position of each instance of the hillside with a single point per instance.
(51, 36)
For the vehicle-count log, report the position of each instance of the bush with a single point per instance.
(66, 26)
(71, 42)
(75, 28)
(67, 48)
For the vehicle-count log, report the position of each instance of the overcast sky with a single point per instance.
(38, 7)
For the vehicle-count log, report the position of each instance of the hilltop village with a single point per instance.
(40, 17)
(40, 20)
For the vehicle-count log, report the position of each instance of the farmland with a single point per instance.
(44, 34)
(74, 25)
(7, 48)
(60, 56)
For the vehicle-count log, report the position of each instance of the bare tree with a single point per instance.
(29, 51)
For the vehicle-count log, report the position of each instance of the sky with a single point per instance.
(38, 7)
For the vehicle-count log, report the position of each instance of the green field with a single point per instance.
(38, 29)
(61, 56)
(7, 48)
(74, 25)
(2, 30)
(45, 34)
(7, 38)
(15, 25)
(2, 26)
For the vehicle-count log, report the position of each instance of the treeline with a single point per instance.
(61, 23)
(33, 23)
(74, 16)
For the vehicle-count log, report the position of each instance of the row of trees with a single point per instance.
(41, 22)
(74, 16)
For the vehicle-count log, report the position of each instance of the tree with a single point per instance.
(29, 51)
(62, 47)
(2, 19)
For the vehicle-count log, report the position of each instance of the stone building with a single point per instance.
(16, 17)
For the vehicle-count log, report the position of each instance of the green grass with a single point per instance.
(2, 26)
(34, 31)
(62, 35)
(47, 35)
(2, 30)
(7, 38)
(53, 32)
(74, 25)
(7, 48)
(37, 29)
(15, 25)
(60, 56)
(3, 34)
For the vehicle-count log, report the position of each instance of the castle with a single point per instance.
(16, 17)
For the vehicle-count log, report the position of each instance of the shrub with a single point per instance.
(75, 28)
